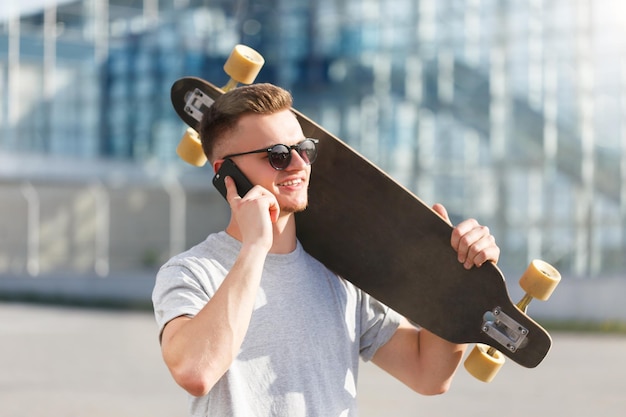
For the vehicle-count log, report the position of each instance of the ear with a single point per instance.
(217, 165)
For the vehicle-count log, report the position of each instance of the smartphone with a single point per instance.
(229, 169)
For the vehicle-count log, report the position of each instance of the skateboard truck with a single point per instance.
(196, 104)
(538, 281)
(504, 329)
(243, 65)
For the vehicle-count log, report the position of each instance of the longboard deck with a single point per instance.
(373, 232)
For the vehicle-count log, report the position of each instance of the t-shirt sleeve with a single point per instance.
(378, 324)
(177, 292)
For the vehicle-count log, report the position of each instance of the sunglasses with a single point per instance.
(280, 155)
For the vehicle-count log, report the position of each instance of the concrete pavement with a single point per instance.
(65, 362)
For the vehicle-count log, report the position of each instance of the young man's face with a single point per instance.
(255, 131)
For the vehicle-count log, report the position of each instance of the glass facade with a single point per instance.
(508, 111)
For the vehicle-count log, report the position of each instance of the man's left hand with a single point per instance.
(472, 242)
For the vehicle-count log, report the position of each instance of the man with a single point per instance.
(250, 324)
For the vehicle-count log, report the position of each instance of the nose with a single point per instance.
(297, 162)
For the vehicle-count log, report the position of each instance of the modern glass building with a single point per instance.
(512, 112)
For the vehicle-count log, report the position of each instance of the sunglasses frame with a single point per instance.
(297, 147)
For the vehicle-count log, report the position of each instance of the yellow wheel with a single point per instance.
(539, 280)
(484, 362)
(243, 65)
(190, 149)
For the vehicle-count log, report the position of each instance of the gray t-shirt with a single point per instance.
(300, 355)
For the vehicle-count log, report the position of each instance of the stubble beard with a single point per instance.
(294, 208)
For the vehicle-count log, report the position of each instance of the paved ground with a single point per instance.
(66, 362)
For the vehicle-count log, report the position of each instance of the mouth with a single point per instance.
(292, 183)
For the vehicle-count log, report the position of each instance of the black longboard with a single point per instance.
(375, 233)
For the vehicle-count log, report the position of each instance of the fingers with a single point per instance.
(442, 212)
(255, 194)
(231, 190)
(474, 244)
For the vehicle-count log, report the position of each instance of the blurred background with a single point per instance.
(512, 112)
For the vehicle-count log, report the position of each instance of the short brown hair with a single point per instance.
(224, 114)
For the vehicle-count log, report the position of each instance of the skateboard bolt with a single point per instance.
(512, 348)
(523, 331)
(485, 329)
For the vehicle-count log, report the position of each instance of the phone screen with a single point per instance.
(229, 169)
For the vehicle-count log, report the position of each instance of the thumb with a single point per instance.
(442, 212)
(274, 211)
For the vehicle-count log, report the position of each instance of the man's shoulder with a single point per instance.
(218, 246)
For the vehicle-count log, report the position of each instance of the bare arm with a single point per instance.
(423, 361)
(199, 350)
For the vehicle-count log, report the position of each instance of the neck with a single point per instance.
(284, 234)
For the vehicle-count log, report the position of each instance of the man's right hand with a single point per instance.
(255, 213)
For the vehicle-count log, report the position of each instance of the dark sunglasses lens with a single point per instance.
(280, 156)
(308, 151)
